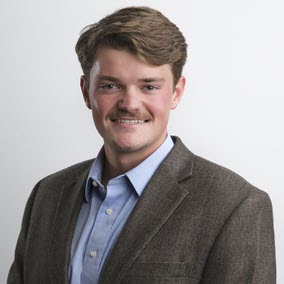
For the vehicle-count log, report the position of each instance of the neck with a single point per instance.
(117, 163)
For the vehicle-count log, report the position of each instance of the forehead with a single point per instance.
(120, 63)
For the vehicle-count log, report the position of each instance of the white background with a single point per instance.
(231, 112)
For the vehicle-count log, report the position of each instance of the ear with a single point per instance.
(85, 91)
(178, 91)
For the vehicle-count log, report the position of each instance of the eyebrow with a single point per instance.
(143, 80)
(151, 80)
(108, 78)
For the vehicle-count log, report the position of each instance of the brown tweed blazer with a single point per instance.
(196, 222)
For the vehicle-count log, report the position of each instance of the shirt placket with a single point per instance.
(104, 221)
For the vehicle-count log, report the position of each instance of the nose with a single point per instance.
(130, 100)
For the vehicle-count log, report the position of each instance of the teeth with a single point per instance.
(130, 121)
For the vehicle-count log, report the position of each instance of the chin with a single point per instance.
(127, 146)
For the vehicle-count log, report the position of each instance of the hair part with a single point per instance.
(143, 31)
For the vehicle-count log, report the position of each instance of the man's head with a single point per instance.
(142, 31)
(132, 62)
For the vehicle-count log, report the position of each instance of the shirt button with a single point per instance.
(95, 183)
(109, 211)
(93, 254)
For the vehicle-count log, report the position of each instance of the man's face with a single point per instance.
(130, 101)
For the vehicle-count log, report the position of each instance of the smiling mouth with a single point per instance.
(129, 121)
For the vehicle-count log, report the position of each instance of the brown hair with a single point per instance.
(143, 31)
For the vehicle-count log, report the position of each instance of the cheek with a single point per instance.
(101, 107)
(160, 112)
(161, 104)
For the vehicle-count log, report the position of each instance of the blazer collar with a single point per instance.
(161, 197)
(179, 162)
(68, 207)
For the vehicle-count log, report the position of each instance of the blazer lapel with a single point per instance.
(68, 207)
(159, 200)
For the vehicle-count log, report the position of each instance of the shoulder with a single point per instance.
(213, 183)
(48, 191)
(69, 173)
(52, 185)
(220, 178)
(223, 190)
(221, 195)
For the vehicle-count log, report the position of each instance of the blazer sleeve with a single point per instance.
(16, 273)
(244, 251)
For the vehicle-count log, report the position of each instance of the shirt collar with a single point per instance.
(138, 176)
(142, 173)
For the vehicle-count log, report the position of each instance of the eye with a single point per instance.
(150, 88)
(107, 86)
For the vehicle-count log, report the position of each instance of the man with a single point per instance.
(146, 210)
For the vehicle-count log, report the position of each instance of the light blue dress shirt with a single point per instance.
(104, 213)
